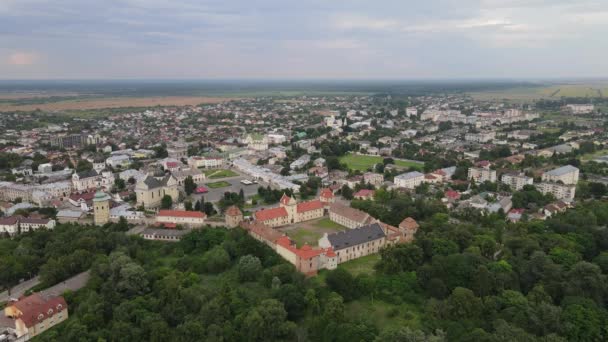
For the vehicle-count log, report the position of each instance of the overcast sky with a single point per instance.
(351, 39)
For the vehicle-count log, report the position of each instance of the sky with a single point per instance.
(305, 39)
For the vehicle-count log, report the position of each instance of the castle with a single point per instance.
(290, 211)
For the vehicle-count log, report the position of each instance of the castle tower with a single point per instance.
(234, 217)
(101, 208)
(291, 205)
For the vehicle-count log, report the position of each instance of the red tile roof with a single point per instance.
(8, 221)
(233, 211)
(285, 199)
(310, 205)
(269, 214)
(326, 193)
(306, 252)
(365, 193)
(452, 194)
(35, 308)
(181, 213)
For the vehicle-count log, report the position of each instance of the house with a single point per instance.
(327, 196)
(355, 243)
(409, 180)
(364, 194)
(35, 314)
(92, 179)
(13, 225)
(289, 212)
(181, 175)
(152, 189)
(375, 179)
(515, 215)
(181, 217)
(177, 150)
(348, 217)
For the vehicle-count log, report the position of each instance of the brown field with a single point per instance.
(121, 102)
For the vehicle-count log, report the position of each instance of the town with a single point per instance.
(326, 182)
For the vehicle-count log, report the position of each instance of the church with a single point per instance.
(290, 211)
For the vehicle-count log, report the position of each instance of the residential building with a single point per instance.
(364, 194)
(481, 174)
(375, 179)
(13, 225)
(35, 314)
(177, 150)
(516, 180)
(256, 142)
(409, 180)
(566, 174)
(580, 108)
(206, 162)
(560, 191)
(92, 179)
(481, 137)
(181, 175)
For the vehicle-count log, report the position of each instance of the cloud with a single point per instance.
(22, 58)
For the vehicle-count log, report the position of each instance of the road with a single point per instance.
(75, 283)
(19, 289)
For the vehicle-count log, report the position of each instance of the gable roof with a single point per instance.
(270, 214)
(348, 212)
(181, 213)
(354, 237)
(310, 205)
(35, 308)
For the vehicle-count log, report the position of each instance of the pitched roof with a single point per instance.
(267, 233)
(326, 193)
(87, 174)
(8, 221)
(285, 199)
(364, 193)
(353, 237)
(348, 212)
(233, 211)
(269, 214)
(181, 213)
(35, 308)
(408, 224)
(306, 252)
(310, 205)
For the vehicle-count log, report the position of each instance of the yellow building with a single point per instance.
(152, 189)
(290, 211)
(35, 314)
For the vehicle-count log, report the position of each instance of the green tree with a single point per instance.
(249, 268)
(189, 185)
(166, 202)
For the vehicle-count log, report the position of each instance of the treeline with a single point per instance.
(58, 254)
(213, 285)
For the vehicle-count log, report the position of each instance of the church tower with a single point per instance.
(101, 208)
(291, 206)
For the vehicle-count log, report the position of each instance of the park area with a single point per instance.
(216, 185)
(364, 162)
(219, 173)
(311, 231)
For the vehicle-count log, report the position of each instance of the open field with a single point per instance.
(310, 232)
(363, 162)
(556, 91)
(216, 185)
(219, 173)
(591, 156)
(117, 102)
(364, 265)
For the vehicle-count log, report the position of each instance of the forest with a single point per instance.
(463, 279)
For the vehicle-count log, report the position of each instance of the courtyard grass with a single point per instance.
(310, 232)
(219, 173)
(363, 162)
(216, 185)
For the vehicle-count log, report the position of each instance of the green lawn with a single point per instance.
(591, 156)
(216, 185)
(310, 232)
(219, 173)
(362, 163)
(361, 265)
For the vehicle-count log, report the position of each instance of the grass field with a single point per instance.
(216, 185)
(310, 232)
(219, 173)
(363, 162)
(591, 156)
(555, 91)
(364, 265)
